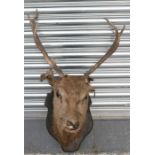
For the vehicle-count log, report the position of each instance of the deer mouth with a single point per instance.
(71, 130)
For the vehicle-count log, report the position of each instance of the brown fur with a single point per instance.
(72, 106)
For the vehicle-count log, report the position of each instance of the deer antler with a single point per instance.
(110, 51)
(39, 45)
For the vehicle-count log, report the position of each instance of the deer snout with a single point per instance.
(72, 124)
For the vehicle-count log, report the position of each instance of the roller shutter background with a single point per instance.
(76, 35)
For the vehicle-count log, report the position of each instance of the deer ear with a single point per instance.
(49, 78)
(88, 79)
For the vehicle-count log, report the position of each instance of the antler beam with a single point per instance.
(110, 51)
(39, 45)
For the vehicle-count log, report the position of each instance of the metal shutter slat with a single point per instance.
(76, 35)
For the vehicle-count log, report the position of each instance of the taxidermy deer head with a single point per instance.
(69, 118)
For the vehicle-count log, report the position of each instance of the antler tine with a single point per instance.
(39, 45)
(112, 49)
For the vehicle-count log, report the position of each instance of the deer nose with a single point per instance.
(73, 125)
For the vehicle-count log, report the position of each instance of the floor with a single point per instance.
(108, 137)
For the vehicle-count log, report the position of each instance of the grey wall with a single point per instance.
(106, 136)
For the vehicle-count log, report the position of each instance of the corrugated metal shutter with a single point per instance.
(75, 33)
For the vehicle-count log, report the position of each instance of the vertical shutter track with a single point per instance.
(76, 35)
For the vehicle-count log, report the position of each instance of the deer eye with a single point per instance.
(58, 94)
(85, 98)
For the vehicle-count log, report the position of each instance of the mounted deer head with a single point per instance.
(69, 119)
